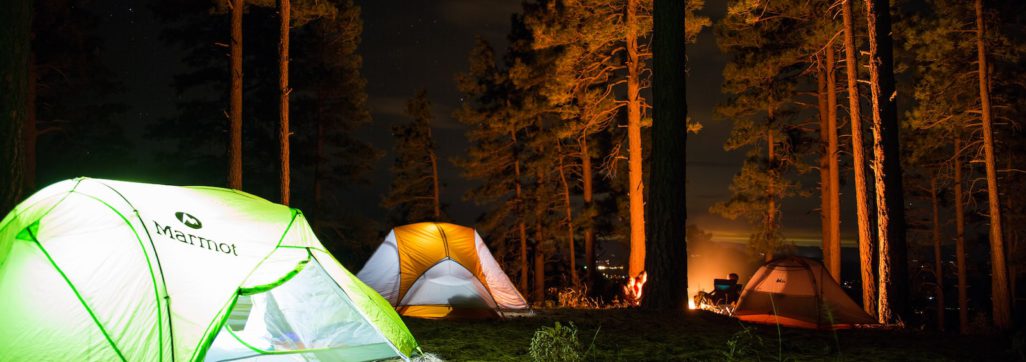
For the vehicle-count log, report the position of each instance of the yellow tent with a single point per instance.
(436, 270)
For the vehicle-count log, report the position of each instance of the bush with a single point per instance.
(576, 298)
(744, 345)
(558, 343)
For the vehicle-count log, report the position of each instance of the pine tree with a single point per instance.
(948, 101)
(329, 96)
(496, 155)
(71, 124)
(235, 115)
(760, 81)
(890, 206)
(414, 194)
(14, 85)
(284, 131)
(866, 242)
(333, 101)
(666, 259)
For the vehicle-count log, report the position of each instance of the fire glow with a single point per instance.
(635, 286)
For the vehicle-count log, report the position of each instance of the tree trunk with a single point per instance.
(539, 253)
(521, 224)
(539, 265)
(963, 297)
(568, 208)
(434, 181)
(235, 113)
(999, 278)
(636, 193)
(589, 231)
(666, 259)
(14, 84)
(771, 192)
(1011, 240)
(30, 129)
(824, 164)
(835, 177)
(285, 12)
(858, 164)
(891, 248)
(938, 263)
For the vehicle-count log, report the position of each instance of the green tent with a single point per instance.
(107, 270)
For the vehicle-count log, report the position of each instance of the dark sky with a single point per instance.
(412, 44)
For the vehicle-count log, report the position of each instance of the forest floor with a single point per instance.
(632, 335)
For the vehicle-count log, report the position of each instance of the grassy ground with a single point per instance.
(630, 335)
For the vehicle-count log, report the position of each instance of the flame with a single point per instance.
(635, 286)
(691, 304)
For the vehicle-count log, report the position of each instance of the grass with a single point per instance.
(633, 335)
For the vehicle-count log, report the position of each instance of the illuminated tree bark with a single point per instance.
(636, 193)
(235, 113)
(834, 263)
(568, 209)
(771, 193)
(999, 272)
(938, 268)
(521, 225)
(824, 163)
(284, 11)
(539, 268)
(861, 195)
(539, 252)
(892, 271)
(589, 231)
(434, 182)
(963, 297)
(666, 259)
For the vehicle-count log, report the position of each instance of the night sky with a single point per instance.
(412, 44)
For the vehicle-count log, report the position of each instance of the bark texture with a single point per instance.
(235, 112)
(963, 295)
(861, 195)
(569, 215)
(587, 195)
(14, 83)
(521, 224)
(999, 273)
(284, 12)
(892, 272)
(834, 264)
(636, 193)
(666, 259)
(824, 163)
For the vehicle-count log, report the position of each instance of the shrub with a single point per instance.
(576, 298)
(558, 343)
(744, 345)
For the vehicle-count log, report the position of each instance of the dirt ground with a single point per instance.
(632, 335)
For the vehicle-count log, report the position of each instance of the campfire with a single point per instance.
(632, 291)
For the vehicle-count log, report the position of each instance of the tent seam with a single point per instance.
(153, 279)
(362, 314)
(483, 284)
(160, 268)
(77, 295)
(204, 340)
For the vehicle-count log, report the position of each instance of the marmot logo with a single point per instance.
(189, 220)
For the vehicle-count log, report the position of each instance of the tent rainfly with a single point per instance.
(437, 270)
(798, 292)
(103, 270)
